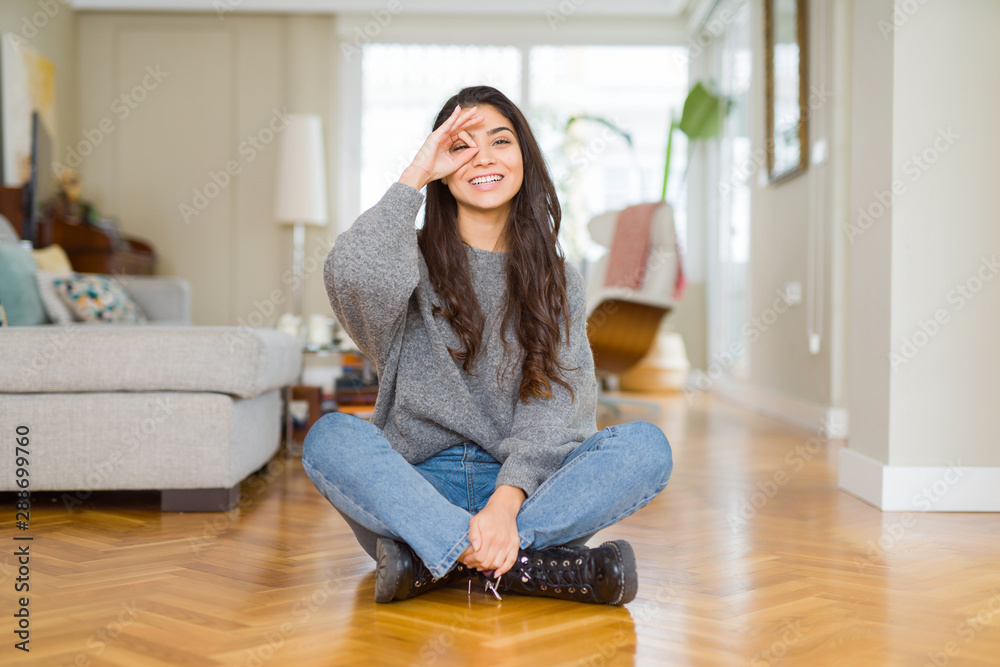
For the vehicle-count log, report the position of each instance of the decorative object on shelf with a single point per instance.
(320, 332)
(786, 83)
(67, 204)
(358, 384)
(291, 325)
(302, 188)
(92, 243)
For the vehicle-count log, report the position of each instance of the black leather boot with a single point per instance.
(603, 575)
(400, 574)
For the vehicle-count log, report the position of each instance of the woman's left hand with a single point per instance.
(493, 532)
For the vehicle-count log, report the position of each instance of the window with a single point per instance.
(736, 168)
(595, 170)
(404, 86)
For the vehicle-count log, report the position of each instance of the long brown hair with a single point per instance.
(536, 275)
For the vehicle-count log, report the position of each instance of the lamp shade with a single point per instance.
(301, 195)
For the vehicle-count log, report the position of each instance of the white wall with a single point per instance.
(228, 81)
(945, 145)
(923, 353)
(871, 172)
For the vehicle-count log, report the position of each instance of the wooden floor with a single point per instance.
(751, 556)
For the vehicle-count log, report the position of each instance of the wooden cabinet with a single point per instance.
(90, 249)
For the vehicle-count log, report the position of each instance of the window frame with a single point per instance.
(550, 29)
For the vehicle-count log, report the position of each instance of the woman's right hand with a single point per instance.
(435, 159)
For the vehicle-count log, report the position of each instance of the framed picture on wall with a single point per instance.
(786, 71)
(27, 84)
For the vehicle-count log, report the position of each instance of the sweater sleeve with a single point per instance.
(545, 431)
(372, 270)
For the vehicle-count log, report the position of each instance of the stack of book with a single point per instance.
(356, 389)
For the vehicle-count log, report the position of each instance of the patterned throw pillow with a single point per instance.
(57, 310)
(97, 298)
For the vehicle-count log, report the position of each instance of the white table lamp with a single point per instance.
(302, 195)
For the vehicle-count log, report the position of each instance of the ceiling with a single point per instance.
(668, 9)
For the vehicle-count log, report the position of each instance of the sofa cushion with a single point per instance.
(141, 440)
(18, 289)
(89, 357)
(52, 259)
(7, 233)
(96, 298)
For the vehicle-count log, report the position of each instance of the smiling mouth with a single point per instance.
(483, 180)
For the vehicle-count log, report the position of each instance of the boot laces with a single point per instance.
(565, 571)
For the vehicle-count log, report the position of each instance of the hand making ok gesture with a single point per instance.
(435, 159)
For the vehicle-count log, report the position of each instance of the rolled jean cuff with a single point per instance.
(450, 559)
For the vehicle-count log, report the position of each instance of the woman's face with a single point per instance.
(494, 174)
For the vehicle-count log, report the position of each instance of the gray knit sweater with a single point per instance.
(379, 289)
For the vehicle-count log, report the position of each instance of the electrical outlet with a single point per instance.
(819, 151)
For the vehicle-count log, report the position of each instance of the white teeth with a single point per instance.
(486, 179)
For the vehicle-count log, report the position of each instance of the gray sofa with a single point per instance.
(187, 410)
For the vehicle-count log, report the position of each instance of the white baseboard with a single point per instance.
(953, 488)
(829, 422)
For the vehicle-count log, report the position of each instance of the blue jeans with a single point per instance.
(613, 473)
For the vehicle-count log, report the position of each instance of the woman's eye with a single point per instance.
(503, 140)
(455, 148)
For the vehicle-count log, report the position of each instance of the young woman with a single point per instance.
(482, 455)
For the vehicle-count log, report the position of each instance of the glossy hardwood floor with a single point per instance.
(751, 556)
